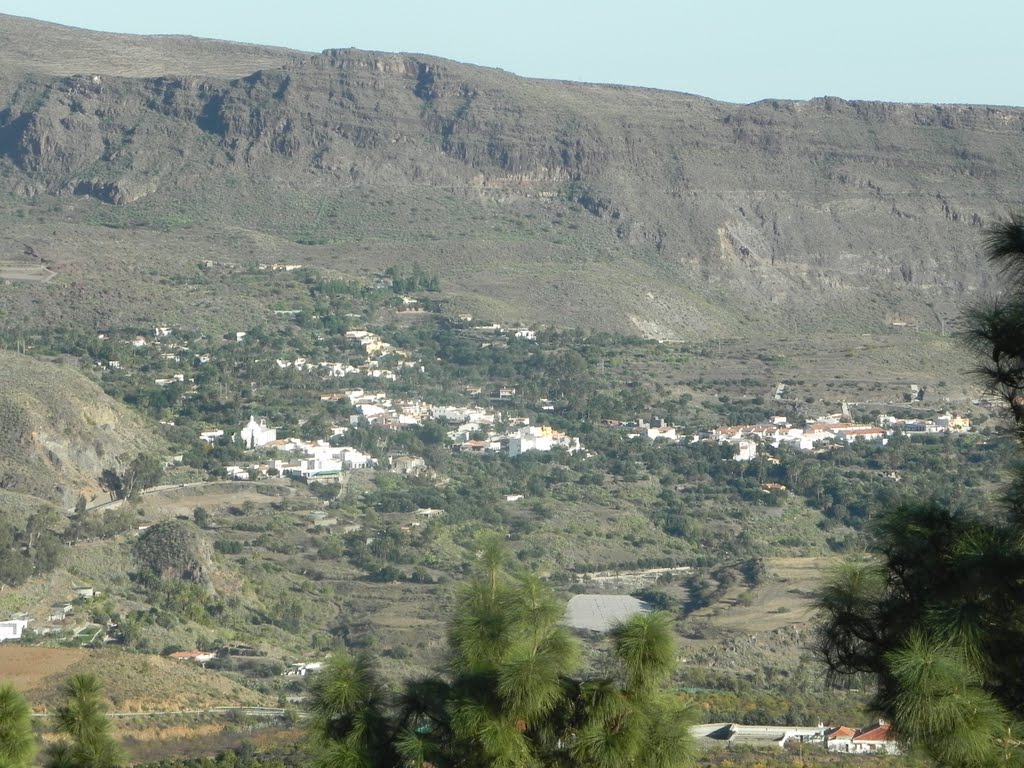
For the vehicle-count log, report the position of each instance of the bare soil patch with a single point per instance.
(27, 667)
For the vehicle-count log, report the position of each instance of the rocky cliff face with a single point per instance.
(675, 214)
(59, 431)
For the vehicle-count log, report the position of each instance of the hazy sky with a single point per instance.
(743, 50)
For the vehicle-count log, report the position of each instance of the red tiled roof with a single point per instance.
(842, 732)
(880, 732)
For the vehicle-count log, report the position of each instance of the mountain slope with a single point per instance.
(605, 207)
(59, 431)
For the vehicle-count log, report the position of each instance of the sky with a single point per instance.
(942, 51)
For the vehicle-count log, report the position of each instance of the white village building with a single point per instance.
(543, 438)
(12, 629)
(256, 434)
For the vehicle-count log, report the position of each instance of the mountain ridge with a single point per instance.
(676, 214)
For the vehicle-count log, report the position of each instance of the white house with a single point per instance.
(301, 670)
(953, 423)
(317, 457)
(747, 450)
(877, 738)
(544, 438)
(256, 434)
(461, 414)
(530, 439)
(353, 459)
(866, 434)
(235, 472)
(662, 432)
(12, 629)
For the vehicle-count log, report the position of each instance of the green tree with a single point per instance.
(144, 471)
(201, 517)
(39, 524)
(351, 722)
(17, 742)
(509, 697)
(936, 616)
(83, 718)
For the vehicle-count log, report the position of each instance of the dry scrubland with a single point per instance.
(134, 682)
(60, 430)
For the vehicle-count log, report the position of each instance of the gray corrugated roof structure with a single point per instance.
(600, 612)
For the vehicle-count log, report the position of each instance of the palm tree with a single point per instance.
(17, 742)
(84, 718)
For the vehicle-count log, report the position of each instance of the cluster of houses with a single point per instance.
(171, 352)
(378, 410)
(475, 429)
(60, 613)
(519, 437)
(308, 459)
(877, 738)
(481, 430)
(779, 431)
(829, 431)
(515, 332)
(947, 423)
(375, 365)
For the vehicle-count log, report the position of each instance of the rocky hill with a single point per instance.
(59, 431)
(125, 161)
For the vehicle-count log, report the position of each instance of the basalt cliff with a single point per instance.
(125, 161)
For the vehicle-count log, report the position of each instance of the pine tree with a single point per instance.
(936, 616)
(17, 742)
(84, 719)
(508, 697)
